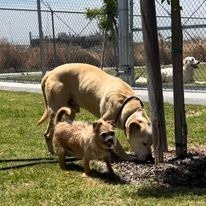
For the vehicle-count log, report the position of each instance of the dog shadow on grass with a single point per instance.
(17, 163)
(159, 191)
(11, 164)
(101, 175)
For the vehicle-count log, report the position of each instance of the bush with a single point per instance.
(63, 55)
(197, 49)
(33, 62)
(76, 54)
(164, 52)
(110, 60)
(139, 54)
(12, 59)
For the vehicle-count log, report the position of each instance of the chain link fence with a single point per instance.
(194, 41)
(69, 36)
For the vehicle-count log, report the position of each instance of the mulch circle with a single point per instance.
(189, 171)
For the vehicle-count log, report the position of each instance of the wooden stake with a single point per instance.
(177, 59)
(149, 26)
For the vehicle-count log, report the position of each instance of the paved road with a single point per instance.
(196, 97)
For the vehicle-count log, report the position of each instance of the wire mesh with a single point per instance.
(194, 41)
(69, 36)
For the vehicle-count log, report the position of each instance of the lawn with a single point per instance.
(45, 184)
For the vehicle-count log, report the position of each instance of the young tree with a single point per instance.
(107, 21)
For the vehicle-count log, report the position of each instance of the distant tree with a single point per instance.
(107, 20)
(106, 15)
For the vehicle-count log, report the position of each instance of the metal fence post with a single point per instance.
(42, 54)
(53, 36)
(124, 71)
(131, 48)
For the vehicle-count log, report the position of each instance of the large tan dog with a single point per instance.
(83, 85)
(87, 141)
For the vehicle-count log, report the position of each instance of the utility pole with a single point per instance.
(124, 70)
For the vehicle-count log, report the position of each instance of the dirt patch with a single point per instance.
(189, 171)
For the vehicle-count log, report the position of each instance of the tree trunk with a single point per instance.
(177, 59)
(149, 26)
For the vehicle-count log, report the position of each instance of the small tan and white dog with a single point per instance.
(189, 66)
(88, 142)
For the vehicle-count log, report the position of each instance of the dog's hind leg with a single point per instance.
(57, 96)
(62, 163)
(48, 134)
(72, 104)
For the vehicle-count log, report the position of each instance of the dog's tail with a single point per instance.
(63, 110)
(46, 112)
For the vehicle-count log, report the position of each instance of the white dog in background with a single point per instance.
(189, 65)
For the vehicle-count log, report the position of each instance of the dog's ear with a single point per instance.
(134, 126)
(185, 61)
(96, 125)
(111, 122)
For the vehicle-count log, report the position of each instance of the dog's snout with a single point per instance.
(110, 140)
(150, 158)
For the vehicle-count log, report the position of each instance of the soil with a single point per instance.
(189, 171)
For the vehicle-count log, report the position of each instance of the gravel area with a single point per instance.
(189, 171)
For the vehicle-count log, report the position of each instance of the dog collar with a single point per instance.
(125, 102)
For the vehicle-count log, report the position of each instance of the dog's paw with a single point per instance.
(84, 175)
(149, 161)
(87, 174)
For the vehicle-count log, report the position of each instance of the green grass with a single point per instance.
(46, 184)
(200, 73)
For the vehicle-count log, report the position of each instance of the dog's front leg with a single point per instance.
(109, 166)
(120, 152)
(87, 170)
